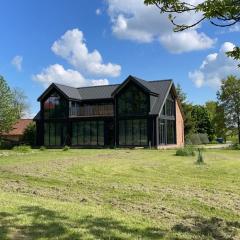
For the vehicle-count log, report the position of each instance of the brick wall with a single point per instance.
(180, 126)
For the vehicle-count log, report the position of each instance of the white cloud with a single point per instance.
(215, 67)
(98, 11)
(17, 62)
(235, 28)
(133, 20)
(72, 47)
(57, 74)
(100, 82)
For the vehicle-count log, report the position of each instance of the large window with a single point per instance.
(132, 100)
(133, 132)
(167, 123)
(167, 131)
(169, 107)
(54, 134)
(55, 106)
(88, 133)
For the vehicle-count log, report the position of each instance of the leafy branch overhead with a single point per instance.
(220, 13)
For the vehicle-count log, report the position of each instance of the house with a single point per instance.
(133, 113)
(16, 133)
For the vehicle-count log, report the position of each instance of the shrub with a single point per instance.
(22, 148)
(200, 157)
(195, 139)
(66, 148)
(188, 141)
(203, 138)
(235, 146)
(6, 144)
(186, 151)
(42, 148)
(29, 135)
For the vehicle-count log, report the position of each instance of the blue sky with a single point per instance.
(97, 42)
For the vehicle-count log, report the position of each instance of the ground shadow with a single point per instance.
(48, 224)
(213, 228)
(43, 223)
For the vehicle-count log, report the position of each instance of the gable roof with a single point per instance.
(159, 89)
(18, 128)
(140, 82)
(67, 91)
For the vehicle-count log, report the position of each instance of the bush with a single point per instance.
(22, 148)
(66, 148)
(200, 157)
(235, 146)
(186, 151)
(42, 148)
(6, 144)
(203, 138)
(29, 135)
(188, 141)
(195, 139)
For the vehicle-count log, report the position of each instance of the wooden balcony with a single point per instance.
(91, 110)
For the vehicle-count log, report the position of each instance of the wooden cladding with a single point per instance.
(92, 110)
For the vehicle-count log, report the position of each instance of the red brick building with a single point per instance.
(17, 130)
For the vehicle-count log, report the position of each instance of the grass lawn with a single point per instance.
(119, 194)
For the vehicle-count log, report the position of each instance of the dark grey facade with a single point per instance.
(134, 113)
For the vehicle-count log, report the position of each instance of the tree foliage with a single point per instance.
(220, 13)
(229, 99)
(8, 113)
(29, 135)
(216, 114)
(202, 121)
(20, 102)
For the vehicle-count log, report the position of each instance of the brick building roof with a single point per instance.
(19, 127)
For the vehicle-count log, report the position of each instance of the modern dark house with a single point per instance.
(133, 113)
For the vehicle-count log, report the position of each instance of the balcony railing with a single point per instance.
(92, 110)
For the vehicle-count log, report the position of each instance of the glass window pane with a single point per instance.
(87, 138)
(58, 133)
(52, 134)
(46, 134)
(101, 133)
(93, 134)
(132, 100)
(121, 132)
(143, 132)
(128, 132)
(136, 132)
(74, 133)
(81, 133)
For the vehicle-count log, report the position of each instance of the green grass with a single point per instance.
(119, 194)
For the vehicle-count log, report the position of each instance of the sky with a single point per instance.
(85, 43)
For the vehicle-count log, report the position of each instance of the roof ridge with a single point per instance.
(99, 86)
(63, 85)
(160, 80)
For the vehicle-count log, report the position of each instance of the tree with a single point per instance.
(8, 114)
(202, 121)
(216, 114)
(220, 13)
(20, 102)
(29, 135)
(229, 99)
(187, 109)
